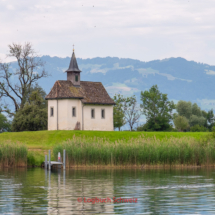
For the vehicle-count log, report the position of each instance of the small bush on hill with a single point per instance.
(30, 118)
(198, 128)
(33, 116)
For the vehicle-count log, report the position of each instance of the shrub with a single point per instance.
(198, 128)
(181, 123)
(30, 118)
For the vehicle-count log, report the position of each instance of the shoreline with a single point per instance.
(166, 166)
(101, 167)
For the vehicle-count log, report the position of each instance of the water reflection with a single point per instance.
(65, 188)
(37, 191)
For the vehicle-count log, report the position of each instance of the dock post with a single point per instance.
(64, 159)
(46, 162)
(49, 159)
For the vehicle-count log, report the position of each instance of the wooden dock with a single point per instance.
(48, 164)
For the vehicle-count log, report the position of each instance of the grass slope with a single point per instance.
(47, 139)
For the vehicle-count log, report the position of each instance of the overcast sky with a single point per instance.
(138, 29)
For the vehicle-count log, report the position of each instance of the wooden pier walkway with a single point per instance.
(48, 164)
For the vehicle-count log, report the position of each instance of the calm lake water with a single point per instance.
(36, 191)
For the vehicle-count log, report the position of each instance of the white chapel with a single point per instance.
(79, 105)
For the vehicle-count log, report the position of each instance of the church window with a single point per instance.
(103, 113)
(93, 113)
(73, 111)
(76, 78)
(52, 111)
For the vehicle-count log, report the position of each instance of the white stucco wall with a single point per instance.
(52, 120)
(65, 119)
(67, 122)
(98, 123)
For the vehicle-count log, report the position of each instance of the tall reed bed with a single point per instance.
(13, 154)
(141, 151)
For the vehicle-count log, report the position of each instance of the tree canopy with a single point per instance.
(181, 123)
(184, 109)
(198, 119)
(5, 124)
(118, 113)
(157, 109)
(126, 110)
(33, 116)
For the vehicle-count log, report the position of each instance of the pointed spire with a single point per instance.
(73, 67)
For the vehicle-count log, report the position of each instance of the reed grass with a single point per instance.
(138, 151)
(13, 154)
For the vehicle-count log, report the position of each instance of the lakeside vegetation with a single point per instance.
(149, 151)
(13, 155)
(116, 148)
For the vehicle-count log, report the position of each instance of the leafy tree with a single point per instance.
(210, 119)
(210, 116)
(33, 116)
(198, 128)
(196, 120)
(16, 85)
(157, 109)
(195, 115)
(36, 93)
(205, 114)
(5, 125)
(181, 123)
(184, 109)
(162, 124)
(126, 110)
(118, 113)
(196, 110)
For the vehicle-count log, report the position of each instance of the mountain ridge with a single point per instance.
(179, 78)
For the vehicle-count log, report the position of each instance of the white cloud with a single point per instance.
(10, 7)
(144, 30)
(149, 71)
(210, 72)
(207, 104)
(120, 88)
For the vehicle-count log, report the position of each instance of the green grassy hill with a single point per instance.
(47, 139)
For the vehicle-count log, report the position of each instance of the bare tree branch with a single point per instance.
(30, 70)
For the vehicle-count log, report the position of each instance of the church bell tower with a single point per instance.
(73, 72)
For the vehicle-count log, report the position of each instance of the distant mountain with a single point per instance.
(177, 77)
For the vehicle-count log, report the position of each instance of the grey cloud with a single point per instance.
(144, 30)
